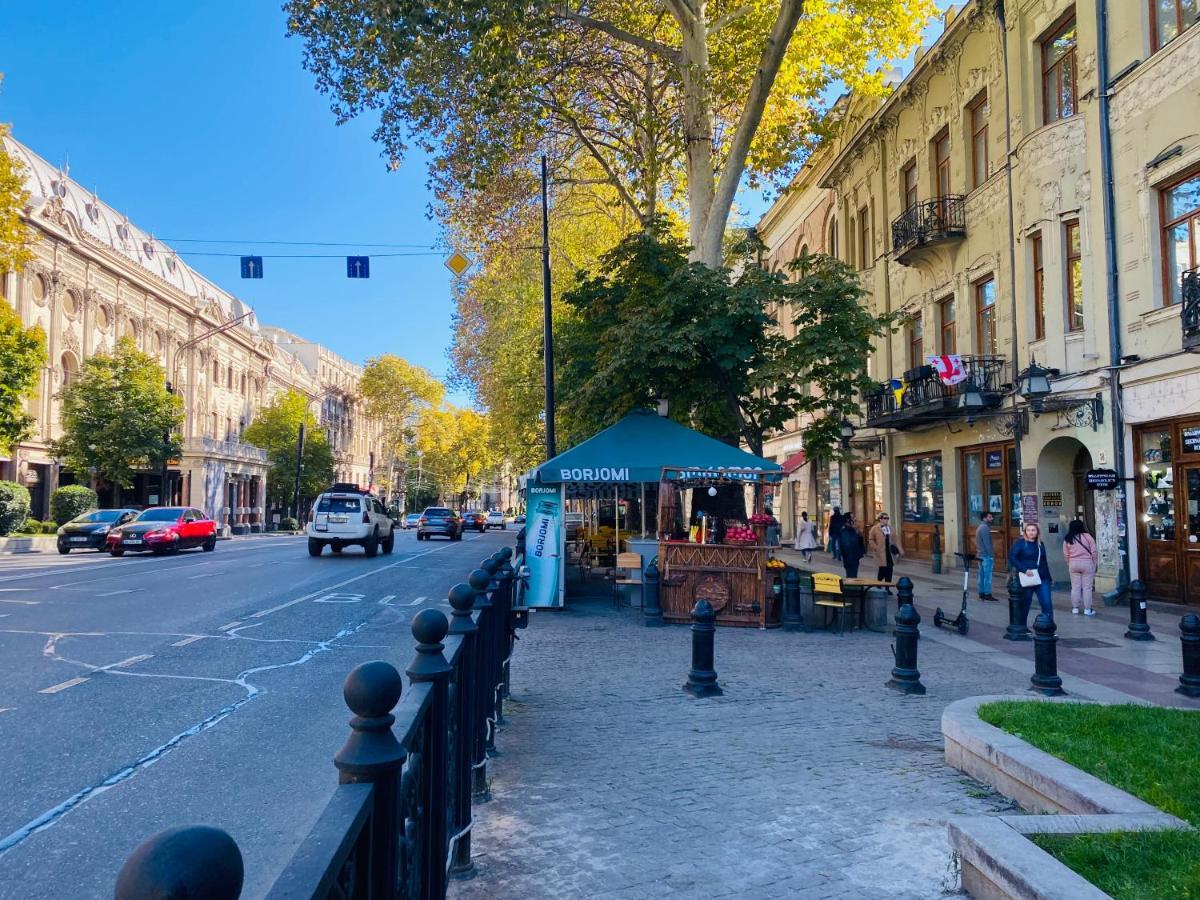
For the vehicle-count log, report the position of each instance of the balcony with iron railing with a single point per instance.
(925, 399)
(928, 223)
(1189, 284)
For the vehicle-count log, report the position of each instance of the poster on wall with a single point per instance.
(544, 547)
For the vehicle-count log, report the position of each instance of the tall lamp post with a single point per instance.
(300, 446)
(173, 382)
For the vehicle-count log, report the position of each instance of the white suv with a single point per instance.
(346, 514)
(495, 519)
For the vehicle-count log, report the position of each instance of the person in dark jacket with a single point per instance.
(850, 543)
(836, 521)
(1028, 556)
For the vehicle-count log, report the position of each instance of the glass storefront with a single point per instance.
(923, 502)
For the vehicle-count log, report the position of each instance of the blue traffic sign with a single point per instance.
(252, 267)
(358, 267)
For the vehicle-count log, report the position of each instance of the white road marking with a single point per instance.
(233, 624)
(21, 602)
(417, 602)
(13, 590)
(114, 593)
(126, 663)
(7, 709)
(189, 640)
(385, 601)
(360, 577)
(203, 575)
(62, 687)
(340, 598)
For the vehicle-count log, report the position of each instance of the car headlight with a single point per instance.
(61, 531)
(103, 529)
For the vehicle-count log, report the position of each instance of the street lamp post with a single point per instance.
(300, 446)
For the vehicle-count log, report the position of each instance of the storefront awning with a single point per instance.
(637, 448)
(793, 462)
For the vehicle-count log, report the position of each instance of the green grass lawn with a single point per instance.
(1153, 754)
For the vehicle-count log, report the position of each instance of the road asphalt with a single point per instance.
(141, 693)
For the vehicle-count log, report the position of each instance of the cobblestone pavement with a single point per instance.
(808, 778)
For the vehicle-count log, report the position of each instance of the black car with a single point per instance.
(90, 530)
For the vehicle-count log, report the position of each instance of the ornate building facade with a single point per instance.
(96, 277)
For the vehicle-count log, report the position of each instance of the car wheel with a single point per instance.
(315, 547)
(504, 528)
(389, 542)
(63, 550)
(117, 551)
(210, 543)
(457, 536)
(371, 545)
(335, 548)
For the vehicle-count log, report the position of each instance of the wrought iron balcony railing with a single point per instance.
(929, 222)
(924, 399)
(1190, 285)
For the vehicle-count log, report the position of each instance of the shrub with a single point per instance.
(70, 501)
(32, 526)
(289, 524)
(49, 527)
(14, 506)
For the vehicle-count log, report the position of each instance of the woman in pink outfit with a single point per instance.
(1079, 548)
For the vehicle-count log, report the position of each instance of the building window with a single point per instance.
(866, 257)
(833, 238)
(70, 304)
(1180, 210)
(216, 373)
(979, 139)
(214, 425)
(1039, 287)
(850, 240)
(1074, 271)
(949, 329)
(1058, 73)
(941, 162)
(908, 184)
(985, 317)
(916, 341)
(921, 488)
(1170, 18)
(229, 378)
(38, 286)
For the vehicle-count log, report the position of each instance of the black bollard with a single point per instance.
(198, 861)
(792, 620)
(1189, 636)
(904, 592)
(1139, 628)
(702, 679)
(651, 608)
(1045, 678)
(905, 677)
(1018, 625)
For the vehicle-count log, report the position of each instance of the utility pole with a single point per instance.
(299, 465)
(547, 316)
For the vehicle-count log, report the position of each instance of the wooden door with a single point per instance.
(1189, 533)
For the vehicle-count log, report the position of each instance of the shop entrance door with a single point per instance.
(991, 486)
(1190, 533)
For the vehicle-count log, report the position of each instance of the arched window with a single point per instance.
(216, 372)
(70, 303)
(70, 369)
(831, 246)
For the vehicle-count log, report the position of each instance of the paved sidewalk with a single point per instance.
(809, 778)
(1091, 648)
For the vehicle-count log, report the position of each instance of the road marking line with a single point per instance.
(125, 663)
(13, 590)
(21, 602)
(332, 587)
(62, 687)
(340, 597)
(385, 601)
(189, 640)
(114, 593)
(7, 708)
(233, 624)
(417, 601)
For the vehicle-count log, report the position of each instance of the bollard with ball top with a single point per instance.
(792, 620)
(181, 863)
(904, 592)
(702, 679)
(651, 606)
(1139, 628)
(1189, 636)
(905, 676)
(1018, 625)
(1045, 678)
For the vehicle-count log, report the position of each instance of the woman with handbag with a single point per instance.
(884, 545)
(1079, 550)
(1028, 559)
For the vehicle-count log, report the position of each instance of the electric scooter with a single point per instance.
(959, 622)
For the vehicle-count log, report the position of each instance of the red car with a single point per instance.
(164, 529)
(476, 520)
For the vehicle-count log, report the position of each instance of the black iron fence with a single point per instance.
(1189, 284)
(399, 822)
(923, 396)
(928, 221)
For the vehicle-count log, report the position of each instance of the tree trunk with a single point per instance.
(698, 130)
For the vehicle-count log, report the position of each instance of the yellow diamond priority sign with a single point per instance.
(458, 263)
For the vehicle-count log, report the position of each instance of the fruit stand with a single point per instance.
(737, 577)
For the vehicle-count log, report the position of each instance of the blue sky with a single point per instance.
(197, 121)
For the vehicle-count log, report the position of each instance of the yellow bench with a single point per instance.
(828, 594)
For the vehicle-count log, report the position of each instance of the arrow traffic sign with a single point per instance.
(252, 267)
(358, 267)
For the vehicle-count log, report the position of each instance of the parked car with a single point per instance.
(164, 529)
(476, 520)
(89, 531)
(410, 521)
(439, 520)
(344, 516)
(519, 519)
(496, 519)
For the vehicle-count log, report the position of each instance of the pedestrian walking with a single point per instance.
(850, 545)
(884, 545)
(772, 530)
(1028, 559)
(836, 521)
(1079, 550)
(806, 537)
(986, 554)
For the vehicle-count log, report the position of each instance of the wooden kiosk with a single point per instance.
(733, 576)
